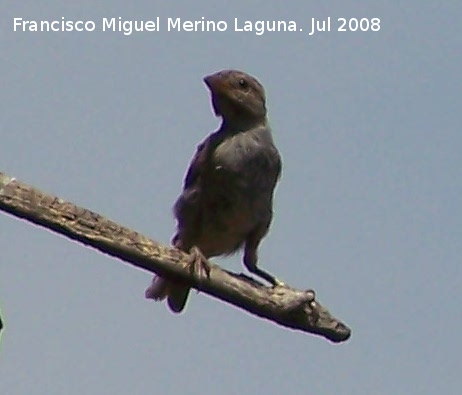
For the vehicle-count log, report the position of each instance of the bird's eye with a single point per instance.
(243, 83)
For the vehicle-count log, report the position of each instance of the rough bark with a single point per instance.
(286, 306)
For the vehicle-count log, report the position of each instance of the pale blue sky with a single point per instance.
(368, 212)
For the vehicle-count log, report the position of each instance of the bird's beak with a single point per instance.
(216, 83)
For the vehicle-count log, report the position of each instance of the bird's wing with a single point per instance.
(200, 159)
(196, 166)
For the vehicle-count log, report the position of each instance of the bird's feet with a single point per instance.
(274, 281)
(198, 263)
(278, 283)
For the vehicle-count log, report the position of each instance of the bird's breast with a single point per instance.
(247, 163)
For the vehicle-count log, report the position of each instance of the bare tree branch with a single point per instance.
(286, 306)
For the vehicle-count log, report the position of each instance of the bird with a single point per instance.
(227, 200)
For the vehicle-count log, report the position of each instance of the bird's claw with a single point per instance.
(198, 263)
(278, 283)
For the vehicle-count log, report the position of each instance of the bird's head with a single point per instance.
(237, 96)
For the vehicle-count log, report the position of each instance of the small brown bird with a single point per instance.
(227, 199)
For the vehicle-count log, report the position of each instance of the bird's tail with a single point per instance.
(176, 294)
